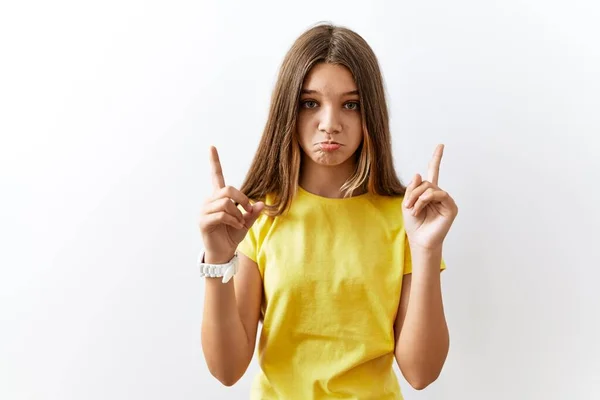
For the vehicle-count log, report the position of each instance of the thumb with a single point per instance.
(416, 181)
(252, 216)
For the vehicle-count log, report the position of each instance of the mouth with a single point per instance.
(329, 146)
(329, 142)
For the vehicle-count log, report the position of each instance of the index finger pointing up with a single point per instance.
(434, 164)
(215, 169)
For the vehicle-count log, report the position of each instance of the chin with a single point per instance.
(329, 159)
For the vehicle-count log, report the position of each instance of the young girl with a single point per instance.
(337, 258)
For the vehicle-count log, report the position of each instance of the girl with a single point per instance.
(337, 258)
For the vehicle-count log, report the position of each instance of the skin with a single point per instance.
(329, 111)
(422, 338)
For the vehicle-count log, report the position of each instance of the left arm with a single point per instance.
(422, 339)
(421, 333)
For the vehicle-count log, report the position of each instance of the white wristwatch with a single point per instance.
(227, 271)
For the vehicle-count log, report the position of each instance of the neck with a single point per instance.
(324, 180)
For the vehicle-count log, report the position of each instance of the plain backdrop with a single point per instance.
(107, 111)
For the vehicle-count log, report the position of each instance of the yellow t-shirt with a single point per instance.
(332, 272)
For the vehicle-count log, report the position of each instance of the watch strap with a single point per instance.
(227, 270)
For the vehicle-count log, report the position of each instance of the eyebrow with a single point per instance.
(310, 91)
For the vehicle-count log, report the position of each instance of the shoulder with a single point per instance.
(387, 210)
(387, 203)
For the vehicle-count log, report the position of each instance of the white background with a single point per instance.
(107, 110)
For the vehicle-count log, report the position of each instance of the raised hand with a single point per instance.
(222, 224)
(428, 210)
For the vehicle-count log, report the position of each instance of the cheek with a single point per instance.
(356, 131)
(304, 128)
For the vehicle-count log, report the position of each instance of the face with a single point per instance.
(329, 121)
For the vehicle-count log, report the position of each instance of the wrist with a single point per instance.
(425, 251)
(217, 265)
(426, 257)
(217, 258)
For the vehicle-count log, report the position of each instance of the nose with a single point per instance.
(329, 121)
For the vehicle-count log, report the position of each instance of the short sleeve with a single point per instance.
(408, 259)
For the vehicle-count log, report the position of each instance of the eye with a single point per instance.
(309, 104)
(352, 105)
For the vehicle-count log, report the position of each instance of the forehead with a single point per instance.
(329, 79)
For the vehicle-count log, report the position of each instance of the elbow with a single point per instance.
(227, 367)
(228, 372)
(419, 378)
(225, 377)
(228, 381)
(420, 383)
(419, 375)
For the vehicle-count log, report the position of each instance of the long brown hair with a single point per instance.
(275, 168)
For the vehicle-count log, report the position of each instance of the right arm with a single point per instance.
(232, 309)
(230, 320)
